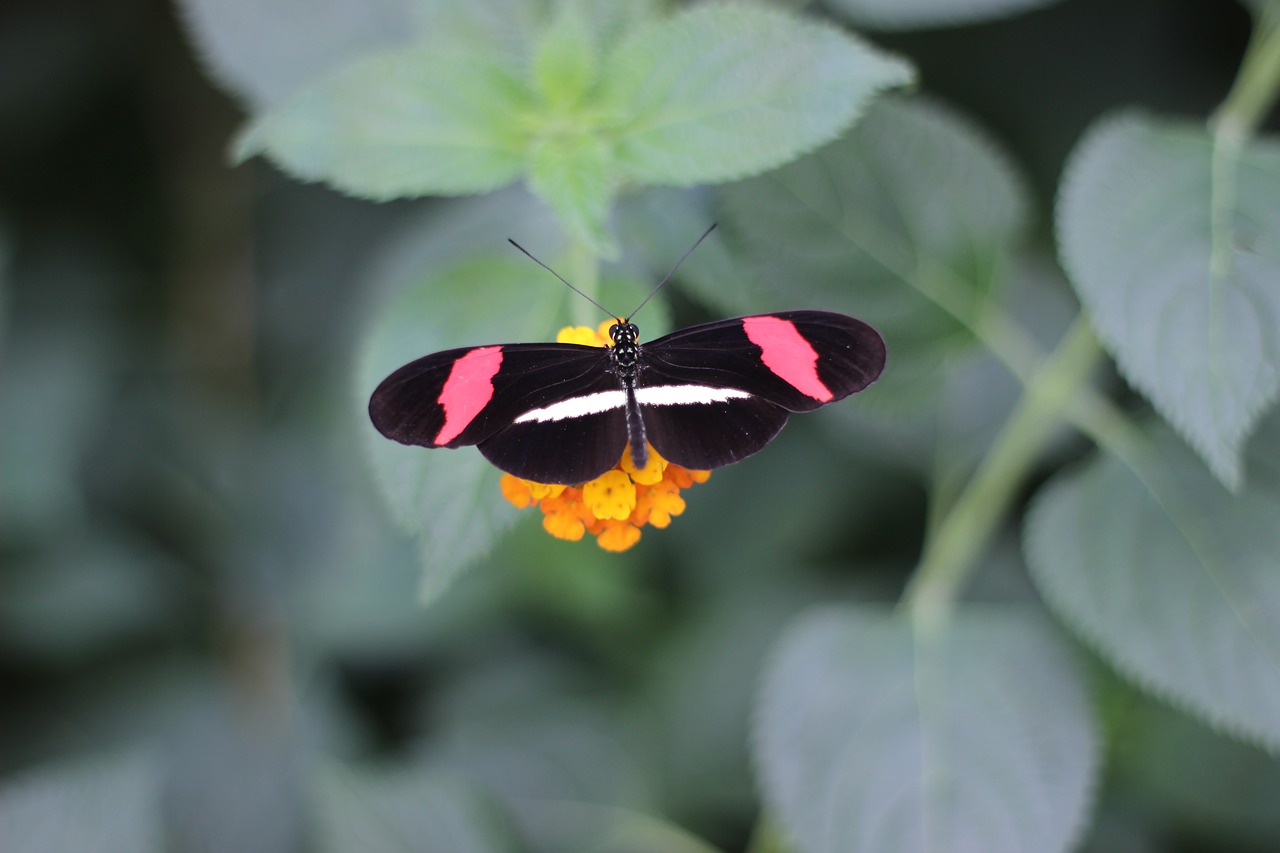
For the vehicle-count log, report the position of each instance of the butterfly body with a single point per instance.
(703, 397)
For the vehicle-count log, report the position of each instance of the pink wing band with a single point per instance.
(468, 389)
(785, 351)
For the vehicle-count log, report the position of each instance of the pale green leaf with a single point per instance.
(263, 50)
(1172, 579)
(718, 92)
(435, 120)
(565, 60)
(1178, 269)
(404, 811)
(908, 222)
(103, 805)
(573, 174)
(979, 738)
(929, 14)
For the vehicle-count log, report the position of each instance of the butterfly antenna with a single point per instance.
(689, 252)
(562, 278)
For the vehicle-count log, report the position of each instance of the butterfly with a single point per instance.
(703, 397)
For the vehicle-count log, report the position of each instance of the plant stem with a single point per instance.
(949, 554)
(1256, 84)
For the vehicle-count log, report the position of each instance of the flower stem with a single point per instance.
(950, 553)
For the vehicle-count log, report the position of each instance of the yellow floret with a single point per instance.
(611, 495)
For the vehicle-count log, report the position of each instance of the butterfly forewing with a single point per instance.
(463, 396)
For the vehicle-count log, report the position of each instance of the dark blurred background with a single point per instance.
(188, 536)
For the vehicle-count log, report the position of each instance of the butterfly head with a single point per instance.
(624, 333)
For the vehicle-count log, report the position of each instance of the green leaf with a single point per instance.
(907, 222)
(1172, 579)
(102, 805)
(724, 91)
(573, 174)
(404, 810)
(929, 14)
(263, 50)
(438, 120)
(564, 62)
(1178, 267)
(979, 738)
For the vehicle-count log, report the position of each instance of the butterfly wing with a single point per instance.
(716, 393)
(552, 413)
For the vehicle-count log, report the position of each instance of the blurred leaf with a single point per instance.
(1177, 266)
(406, 809)
(702, 682)
(574, 827)
(870, 738)
(263, 50)
(530, 733)
(1172, 579)
(53, 389)
(718, 92)
(574, 174)
(659, 223)
(907, 222)
(437, 120)
(86, 594)
(565, 62)
(108, 804)
(946, 434)
(1162, 758)
(928, 14)
(234, 778)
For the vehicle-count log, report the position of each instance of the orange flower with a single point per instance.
(612, 507)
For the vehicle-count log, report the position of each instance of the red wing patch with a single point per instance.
(785, 352)
(468, 389)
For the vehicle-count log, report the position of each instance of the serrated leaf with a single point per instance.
(977, 739)
(929, 14)
(724, 91)
(436, 120)
(907, 222)
(1172, 579)
(1183, 295)
(102, 805)
(404, 810)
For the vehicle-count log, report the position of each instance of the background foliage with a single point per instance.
(1021, 595)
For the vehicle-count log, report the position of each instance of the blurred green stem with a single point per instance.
(950, 553)
(584, 274)
(1256, 85)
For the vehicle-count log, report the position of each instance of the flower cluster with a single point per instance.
(614, 506)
